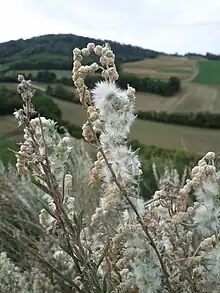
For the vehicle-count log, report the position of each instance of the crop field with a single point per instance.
(176, 137)
(159, 134)
(209, 72)
(162, 67)
(193, 98)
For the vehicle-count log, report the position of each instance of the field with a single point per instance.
(159, 134)
(203, 94)
(176, 137)
(195, 96)
(208, 72)
(162, 67)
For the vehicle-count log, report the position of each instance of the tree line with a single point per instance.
(161, 87)
(164, 88)
(10, 101)
(59, 91)
(193, 119)
(208, 55)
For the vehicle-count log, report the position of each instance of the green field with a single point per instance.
(209, 72)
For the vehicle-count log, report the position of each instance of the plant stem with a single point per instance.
(139, 218)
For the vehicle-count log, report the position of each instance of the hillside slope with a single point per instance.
(59, 47)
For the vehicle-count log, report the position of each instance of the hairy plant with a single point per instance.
(169, 244)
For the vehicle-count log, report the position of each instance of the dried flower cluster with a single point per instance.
(168, 245)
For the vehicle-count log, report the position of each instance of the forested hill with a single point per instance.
(57, 50)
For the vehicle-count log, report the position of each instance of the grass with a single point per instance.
(209, 72)
(155, 73)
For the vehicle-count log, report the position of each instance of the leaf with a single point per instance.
(105, 284)
(41, 186)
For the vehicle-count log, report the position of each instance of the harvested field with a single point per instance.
(176, 137)
(161, 67)
(159, 134)
(193, 98)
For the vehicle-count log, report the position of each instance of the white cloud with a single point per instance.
(170, 26)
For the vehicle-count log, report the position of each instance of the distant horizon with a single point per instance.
(97, 38)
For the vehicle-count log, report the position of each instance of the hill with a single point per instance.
(55, 51)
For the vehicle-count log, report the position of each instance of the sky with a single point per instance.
(164, 25)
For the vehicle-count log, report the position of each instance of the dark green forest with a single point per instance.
(55, 51)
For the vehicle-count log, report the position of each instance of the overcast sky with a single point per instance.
(165, 25)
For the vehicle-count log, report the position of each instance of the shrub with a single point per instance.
(60, 92)
(168, 244)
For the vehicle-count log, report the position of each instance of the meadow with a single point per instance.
(208, 72)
